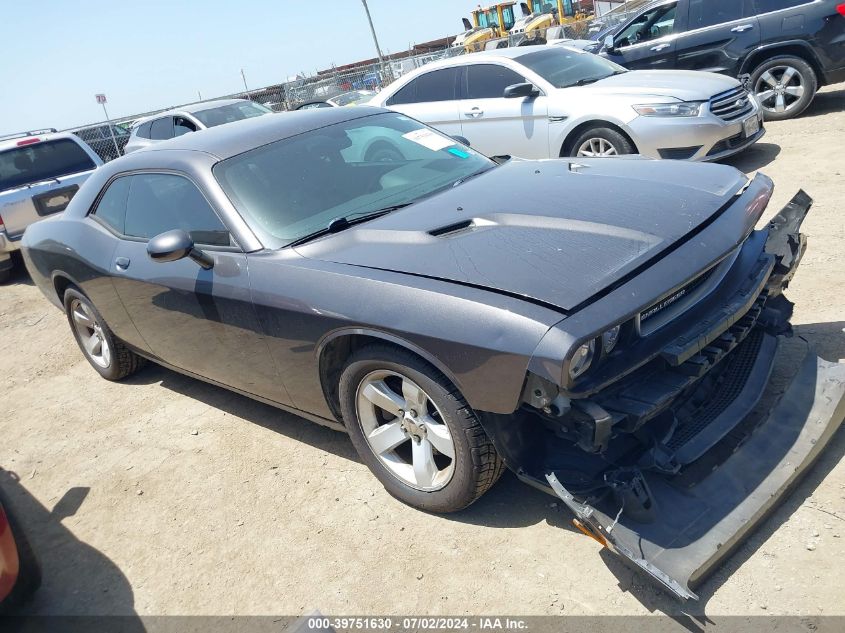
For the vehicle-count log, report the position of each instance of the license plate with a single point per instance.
(751, 126)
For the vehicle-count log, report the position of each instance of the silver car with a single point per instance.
(173, 123)
(40, 171)
(551, 101)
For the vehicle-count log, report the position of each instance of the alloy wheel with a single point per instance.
(597, 147)
(90, 334)
(780, 89)
(405, 430)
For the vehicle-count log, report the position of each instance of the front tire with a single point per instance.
(106, 353)
(601, 142)
(414, 430)
(784, 86)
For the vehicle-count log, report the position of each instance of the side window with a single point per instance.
(488, 81)
(407, 94)
(651, 25)
(163, 202)
(112, 206)
(767, 6)
(144, 130)
(162, 129)
(704, 13)
(438, 85)
(182, 126)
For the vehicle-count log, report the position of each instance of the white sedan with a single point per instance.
(552, 101)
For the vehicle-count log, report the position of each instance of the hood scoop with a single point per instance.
(451, 229)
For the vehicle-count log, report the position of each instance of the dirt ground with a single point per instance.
(164, 495)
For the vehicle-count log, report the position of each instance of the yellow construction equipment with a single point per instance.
(488, 23)
(538, 15)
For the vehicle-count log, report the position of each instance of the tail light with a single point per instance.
(28, 141)
(841, 9)
(1, 222)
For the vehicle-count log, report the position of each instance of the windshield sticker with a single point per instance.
(458, 152)
(429, 139)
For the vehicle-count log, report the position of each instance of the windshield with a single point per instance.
(297, 186)
(42, 161)
(351, 98)
(563, 67)
(230, 113)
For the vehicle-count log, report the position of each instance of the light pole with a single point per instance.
(375, 39)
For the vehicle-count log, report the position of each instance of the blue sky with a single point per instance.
(155, 53)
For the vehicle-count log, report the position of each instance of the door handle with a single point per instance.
(121, 263)
(474, 112)
(742, 28)
(660, 47)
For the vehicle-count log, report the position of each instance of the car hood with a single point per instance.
(556, 232)
(684, 85)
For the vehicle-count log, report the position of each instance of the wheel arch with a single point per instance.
(796, 48)
(333, 350)
(61, 282)
(574, 133)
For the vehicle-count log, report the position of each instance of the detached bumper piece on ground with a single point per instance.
(719, 461)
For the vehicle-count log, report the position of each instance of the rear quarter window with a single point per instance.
(111, 209)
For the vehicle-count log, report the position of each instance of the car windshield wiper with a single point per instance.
(592, 80)
(344, 222)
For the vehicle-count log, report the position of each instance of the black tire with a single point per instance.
(383, 152)
(5, 275)
(123, 361)
(617, 140)
(29, 570)
(477, 465)
(804, 74)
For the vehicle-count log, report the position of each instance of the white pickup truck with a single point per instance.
(40, 172)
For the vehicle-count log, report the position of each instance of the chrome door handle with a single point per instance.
(474, 112)
(660, 47)
(121, 263)
(742, 28)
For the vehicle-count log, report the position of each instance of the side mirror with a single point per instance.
(461, 139)
(516, 91)
(175, 245)
(609, 44)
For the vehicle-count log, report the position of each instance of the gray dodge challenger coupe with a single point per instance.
(605, 328)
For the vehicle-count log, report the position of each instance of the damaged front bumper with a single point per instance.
(697, 527)
(677, 514)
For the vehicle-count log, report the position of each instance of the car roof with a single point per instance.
(508, 53)
(12, 143)
(225, 141)
(189, 109)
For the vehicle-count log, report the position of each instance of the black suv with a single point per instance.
(784, 49)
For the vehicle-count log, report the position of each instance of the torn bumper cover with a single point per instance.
(698, 527)
(696, 517)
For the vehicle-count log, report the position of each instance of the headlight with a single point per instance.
(686, 108)
(581, 359)
(609, 339)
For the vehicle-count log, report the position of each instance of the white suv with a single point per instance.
(40, 172)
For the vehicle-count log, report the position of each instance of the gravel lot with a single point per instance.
(193, 500)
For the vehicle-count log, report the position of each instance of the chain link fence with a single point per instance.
(333, 85)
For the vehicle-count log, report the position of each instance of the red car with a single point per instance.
(20, 574)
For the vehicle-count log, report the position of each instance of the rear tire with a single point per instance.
(444, 421)
(601, 142)
(5, 275)
(106, 353)
(786, 82)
